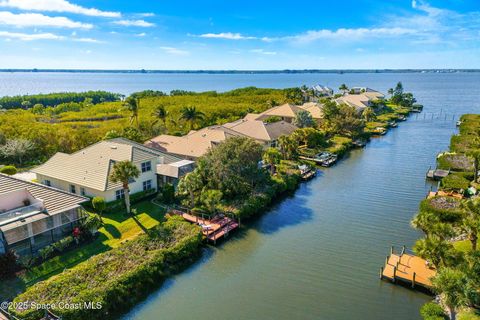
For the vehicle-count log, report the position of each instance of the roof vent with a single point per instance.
(113, 147)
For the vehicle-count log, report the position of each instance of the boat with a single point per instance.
(392, 124)
(379, 131)
(359, 143)
(326, 159)
(402, 118)
(459, 122)
(306, 172)
(417, 108)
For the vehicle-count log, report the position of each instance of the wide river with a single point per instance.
(316, 254)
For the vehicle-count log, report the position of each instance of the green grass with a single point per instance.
(118, 228)
(468, 315)
(463, 246)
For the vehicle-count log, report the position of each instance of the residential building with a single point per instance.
(87, 172)
(361, 98)
(194, 144)
(33, 216)
(264, 133)
(322, 91)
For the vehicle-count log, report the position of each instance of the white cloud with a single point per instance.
(134, 23)
(89, 40)
(175, 51)
(57, 6)
(226, 35)
(30, 37)
(143, 34)
(261, 51)
(414, 4)
(351, 34)
(39, 20)
(146, 14)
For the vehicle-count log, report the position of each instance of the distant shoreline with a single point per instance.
(286, 71)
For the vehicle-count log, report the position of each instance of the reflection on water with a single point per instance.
(317, 254)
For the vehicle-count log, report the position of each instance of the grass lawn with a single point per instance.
(468, 315)
(118, 227)
(463, 246)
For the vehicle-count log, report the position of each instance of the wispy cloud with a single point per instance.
(142, 34)
(351, 34)
(262, 51)
(134, 23)
(175, 51)
(226, 35)
(89, 40)
(39, 20)
(57, 6)
(30, 37)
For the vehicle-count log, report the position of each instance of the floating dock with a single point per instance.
(213, 229)
(408, 269)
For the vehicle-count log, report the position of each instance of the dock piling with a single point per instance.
(381, 272)
(413, 280)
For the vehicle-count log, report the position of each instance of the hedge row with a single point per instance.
(120, 278)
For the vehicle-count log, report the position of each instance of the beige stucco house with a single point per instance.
(86, 172)
(33, 216)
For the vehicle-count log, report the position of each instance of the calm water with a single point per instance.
(317, 254)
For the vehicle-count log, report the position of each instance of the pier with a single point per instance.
(213, 229)
(408, 269)
(437, 174)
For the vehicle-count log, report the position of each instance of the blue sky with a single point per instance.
(161, 34)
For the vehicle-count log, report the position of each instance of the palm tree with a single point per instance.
(475, 154)
(124, 172)
(433, 249)
(450, 285)
(368, 114)
(424, 221)
(288, 146)
(390, 92)
(132, 105)
(343, 88)
(191, 115)
(190, 183)
(471, 220)
(160, 113)
(272, 156)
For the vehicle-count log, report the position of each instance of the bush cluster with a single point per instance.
(120, 277)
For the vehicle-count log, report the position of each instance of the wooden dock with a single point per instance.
(437, 174)
(409, 269)
(213, 229)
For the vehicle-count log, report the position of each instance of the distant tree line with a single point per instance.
(54, 99)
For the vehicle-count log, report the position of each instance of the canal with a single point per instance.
(317, 254)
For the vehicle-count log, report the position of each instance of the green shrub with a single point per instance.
(10, 170)
(455, 181)
(119, 278)
(99, 204)
(167, 195)
(456, 162)
(432, 311)
(447, 209)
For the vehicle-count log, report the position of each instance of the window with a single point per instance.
(82, 191)
(47, 183)
(146, 166)
(147, 185)
(73, 189)
(119, 194)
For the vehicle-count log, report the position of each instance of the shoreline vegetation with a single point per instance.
(450, 220)
(227, 179)
(246, 71)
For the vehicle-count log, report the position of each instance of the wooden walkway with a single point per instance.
(213, 229)
(409, 269)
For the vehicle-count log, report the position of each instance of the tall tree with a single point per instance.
(191, 115)
(343, 87)
(190, 184)
(450, 285)
(433, 249)
(304, 119)
(133, 104)
(368, 114)
(272, 156)
(471, 220)
(17, 149)
(288, 146)
(160, 114)
(123, 172)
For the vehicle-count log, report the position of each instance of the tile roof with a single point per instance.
(55, 200)
(90, 167)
